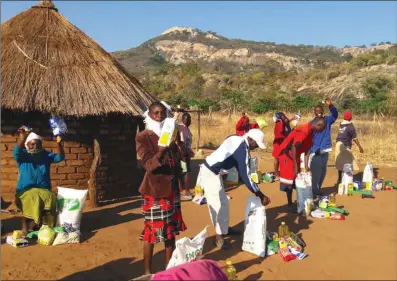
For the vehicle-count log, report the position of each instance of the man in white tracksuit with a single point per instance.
(233, 152)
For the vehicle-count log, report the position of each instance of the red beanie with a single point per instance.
(348, 115)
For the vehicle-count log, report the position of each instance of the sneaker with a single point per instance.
(185, 197)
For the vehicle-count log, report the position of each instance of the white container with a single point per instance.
(368, 176)
(168, 132)
(347, 177)
(303, 185)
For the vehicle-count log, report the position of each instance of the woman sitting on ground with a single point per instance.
(161, 206)
(344, 141)
(33, 195)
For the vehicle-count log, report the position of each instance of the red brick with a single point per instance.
(83, 183)
(58, 176)
(61, 164)
(8, 139)
(71, 156)
(76, 176)
(83, 170)
(9, 170)
(11, 176)
(4, 162)
(9, 183)
(85, 156)
(7, 189)
(72, 144)
(7, 154)
(48, 144)
(12, 162)
(66, 170)
(3, 147)
(67, 182)
(79, 150)
(4, 176)
(75, 162)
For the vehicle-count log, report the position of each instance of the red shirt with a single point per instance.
(301, 138)
(242, 126)
(254, 126)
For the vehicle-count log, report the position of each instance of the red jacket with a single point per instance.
(242, 126)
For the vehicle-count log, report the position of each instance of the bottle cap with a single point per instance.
(282, 223)
(228, 262)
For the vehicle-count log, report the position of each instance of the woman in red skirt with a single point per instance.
(161, 198)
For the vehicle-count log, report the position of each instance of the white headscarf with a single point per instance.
(32, 136)
(153, 125)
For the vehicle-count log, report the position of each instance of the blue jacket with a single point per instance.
(322, 140)
(34, 170)
(233, 152)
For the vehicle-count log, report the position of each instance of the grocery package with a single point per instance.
(17, 243)
(287, 244)
(368, 176)
(255, 227)
(268, 177)
(199, 197)
(46, 235)
(70, 207)
(284, 252)
(66, 238)
(231, 176)
(17, 234)
(187, 250)
(389, 185)
(58, 126)
(261, 121)
(168, 132)
(253, 164)
(303, 183)
(272, 247)
(357, 185)
(377, 185)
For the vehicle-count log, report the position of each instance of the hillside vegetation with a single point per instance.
(193, 68)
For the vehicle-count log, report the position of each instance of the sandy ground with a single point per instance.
(361, 247)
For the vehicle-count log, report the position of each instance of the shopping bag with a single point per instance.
(255, 227)
(368, 176)
(303, 183)
(232, 176)
(347, 177)
(188, 250)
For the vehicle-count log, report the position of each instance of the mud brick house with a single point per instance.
(51, 68)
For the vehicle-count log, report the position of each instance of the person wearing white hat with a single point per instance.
(233, 152)
(33, 195)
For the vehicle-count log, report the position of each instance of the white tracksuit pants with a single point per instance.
(217, 201)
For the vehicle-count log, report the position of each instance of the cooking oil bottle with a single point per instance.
(332, 200)
(230, 270)
(283, 231)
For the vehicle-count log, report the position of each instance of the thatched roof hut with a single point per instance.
(50, 67)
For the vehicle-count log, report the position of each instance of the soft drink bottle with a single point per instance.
(230, 270)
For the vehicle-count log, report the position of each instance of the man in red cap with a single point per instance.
(298, 141)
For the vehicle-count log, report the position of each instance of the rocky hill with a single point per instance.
(184, 65)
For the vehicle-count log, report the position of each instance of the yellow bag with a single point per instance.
(46, 235)
(261, 122)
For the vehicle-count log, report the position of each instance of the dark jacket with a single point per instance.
(157, 180)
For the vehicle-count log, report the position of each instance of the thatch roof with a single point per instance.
(51, 66)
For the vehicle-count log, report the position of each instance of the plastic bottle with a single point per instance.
(230, 270)
(332, 200)
(283, 231)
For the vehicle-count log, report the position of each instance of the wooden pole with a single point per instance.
(93, 172)
(198, 131)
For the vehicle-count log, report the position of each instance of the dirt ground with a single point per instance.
(364, 246)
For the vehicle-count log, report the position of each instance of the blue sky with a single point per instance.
(118, 25)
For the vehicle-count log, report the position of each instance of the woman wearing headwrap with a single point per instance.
(33, 195)
(343, 154)
(281, 131)
(161, 205)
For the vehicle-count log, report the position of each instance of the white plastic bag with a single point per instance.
(70, 207)
(255, 227)
(232, 176)
(347, 177)
(368, 176)
(188, 250)
(303, 183)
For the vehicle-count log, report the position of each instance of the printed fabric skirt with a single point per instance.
(162, 218)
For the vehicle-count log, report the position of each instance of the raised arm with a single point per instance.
(333, 110)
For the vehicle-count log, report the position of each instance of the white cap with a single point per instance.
(258, 136)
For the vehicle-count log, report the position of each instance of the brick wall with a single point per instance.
(117, 175)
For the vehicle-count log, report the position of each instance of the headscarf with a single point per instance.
(348, 115)
(32, 136)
